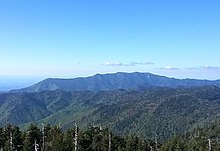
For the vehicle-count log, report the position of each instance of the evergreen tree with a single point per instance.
(118, 143)
(55, 139)
(17, 139)
(85, 140)
(47, 128)
(2, 138)
(7, 137)
(69, 140)
(32, 135)
(131, 143)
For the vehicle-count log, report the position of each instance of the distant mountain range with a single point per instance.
(99, 82)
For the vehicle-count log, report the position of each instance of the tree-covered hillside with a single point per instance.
(163, 111)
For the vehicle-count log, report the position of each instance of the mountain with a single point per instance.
(99, 82)
(162, 110)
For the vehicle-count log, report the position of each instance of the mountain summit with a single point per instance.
(120, 80)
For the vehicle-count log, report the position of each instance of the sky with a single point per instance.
(71, 38)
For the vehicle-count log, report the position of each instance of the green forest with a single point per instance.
(47, 138)
(161, 110)
(97, 138)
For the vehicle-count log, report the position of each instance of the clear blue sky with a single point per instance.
(69, 38)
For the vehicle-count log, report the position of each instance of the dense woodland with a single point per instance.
(161, 110)
(54, 139)
(96, 138)
(206, 138)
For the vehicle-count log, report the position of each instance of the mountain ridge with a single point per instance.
(114, 81)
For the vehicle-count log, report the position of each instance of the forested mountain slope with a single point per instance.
(164, 111)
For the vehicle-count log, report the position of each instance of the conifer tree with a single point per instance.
(47, 128)
(55, 139)
(2, 138)
(7, 137)
(69, 140)
(17, 139)
(32, 135)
